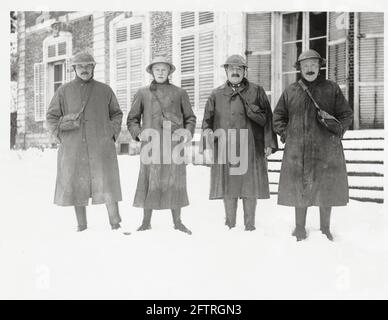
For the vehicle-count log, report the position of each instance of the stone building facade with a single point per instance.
(123, 43)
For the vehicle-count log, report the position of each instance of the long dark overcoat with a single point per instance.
(160, 186)
(87, 162)
(313, 171)
(225, 110)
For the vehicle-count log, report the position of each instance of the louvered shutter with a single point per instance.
(69, 71)
(136, 72)
(121, 53)
(206, 66)
(39, 91)
(371, 69)
(187, 66)
(259, 49)
(338, 49)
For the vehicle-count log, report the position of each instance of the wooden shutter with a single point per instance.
(121, 53)
(371, 69)
(136, 72)
(259, 49)
(337, 61)
(206, 66)
(39, 91)
(69, 71)
(187, 66)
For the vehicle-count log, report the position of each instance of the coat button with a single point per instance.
(233, 113)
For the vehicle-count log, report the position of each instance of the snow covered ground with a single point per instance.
(41, 256)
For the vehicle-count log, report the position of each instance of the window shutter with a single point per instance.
(121, 66)
(39, 91)
(136, 72)
(187, 19)
(69, 74)
(206, 17)
(371, 69)
(206, 66)
(337, 49)
(187, 66)
(259, 49)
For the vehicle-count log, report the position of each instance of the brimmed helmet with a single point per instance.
(235, 60)
(82, 58)
(310, 54)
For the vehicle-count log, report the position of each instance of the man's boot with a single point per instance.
(325, 213)
(300, 224)
(249, 205)
(114, 215)
(146, 224)
(178, 225)
(80, 212)
(230, 212)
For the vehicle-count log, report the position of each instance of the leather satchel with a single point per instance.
(254, 112)
(328, 121)
(72, 121)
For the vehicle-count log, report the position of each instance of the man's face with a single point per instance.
(310, 69)
(235, 74)
(160, 71)
(84, 71)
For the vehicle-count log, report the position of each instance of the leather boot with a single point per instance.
(300, 224)
(80, 212)
(146, 224)
(178, 225)
(249, 205)
(114, 215)
(230, 212)
(325, 214)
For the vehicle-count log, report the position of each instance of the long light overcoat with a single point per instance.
(160, 186)
(313, 171)
(226, 110)
(87, 161)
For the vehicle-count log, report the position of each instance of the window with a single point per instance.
(196, 57)
(54, 71)
(301, 31)
(127, 58)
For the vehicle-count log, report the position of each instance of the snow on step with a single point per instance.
(373, 194)
(365, 168)
(366, 181)
(364, 134)
(363, 144)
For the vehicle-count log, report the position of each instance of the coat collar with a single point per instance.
(78, 80)
(228, 90)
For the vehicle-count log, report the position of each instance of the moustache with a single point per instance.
(310, 73)
(85, 73)
(236, 75)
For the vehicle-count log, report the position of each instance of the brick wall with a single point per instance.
(32, 15)
(161, 35)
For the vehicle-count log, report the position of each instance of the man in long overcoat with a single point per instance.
(313, 171)
(87, 162)
(161, 185)
(239, 106)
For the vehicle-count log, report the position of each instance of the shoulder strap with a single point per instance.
(304, 87)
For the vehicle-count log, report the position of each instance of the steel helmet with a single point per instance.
(82, 58)
(310, 54)
(160, 59)
(235, 60)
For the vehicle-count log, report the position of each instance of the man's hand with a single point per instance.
(267, 151)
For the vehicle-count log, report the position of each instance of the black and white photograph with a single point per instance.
(216, 150)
